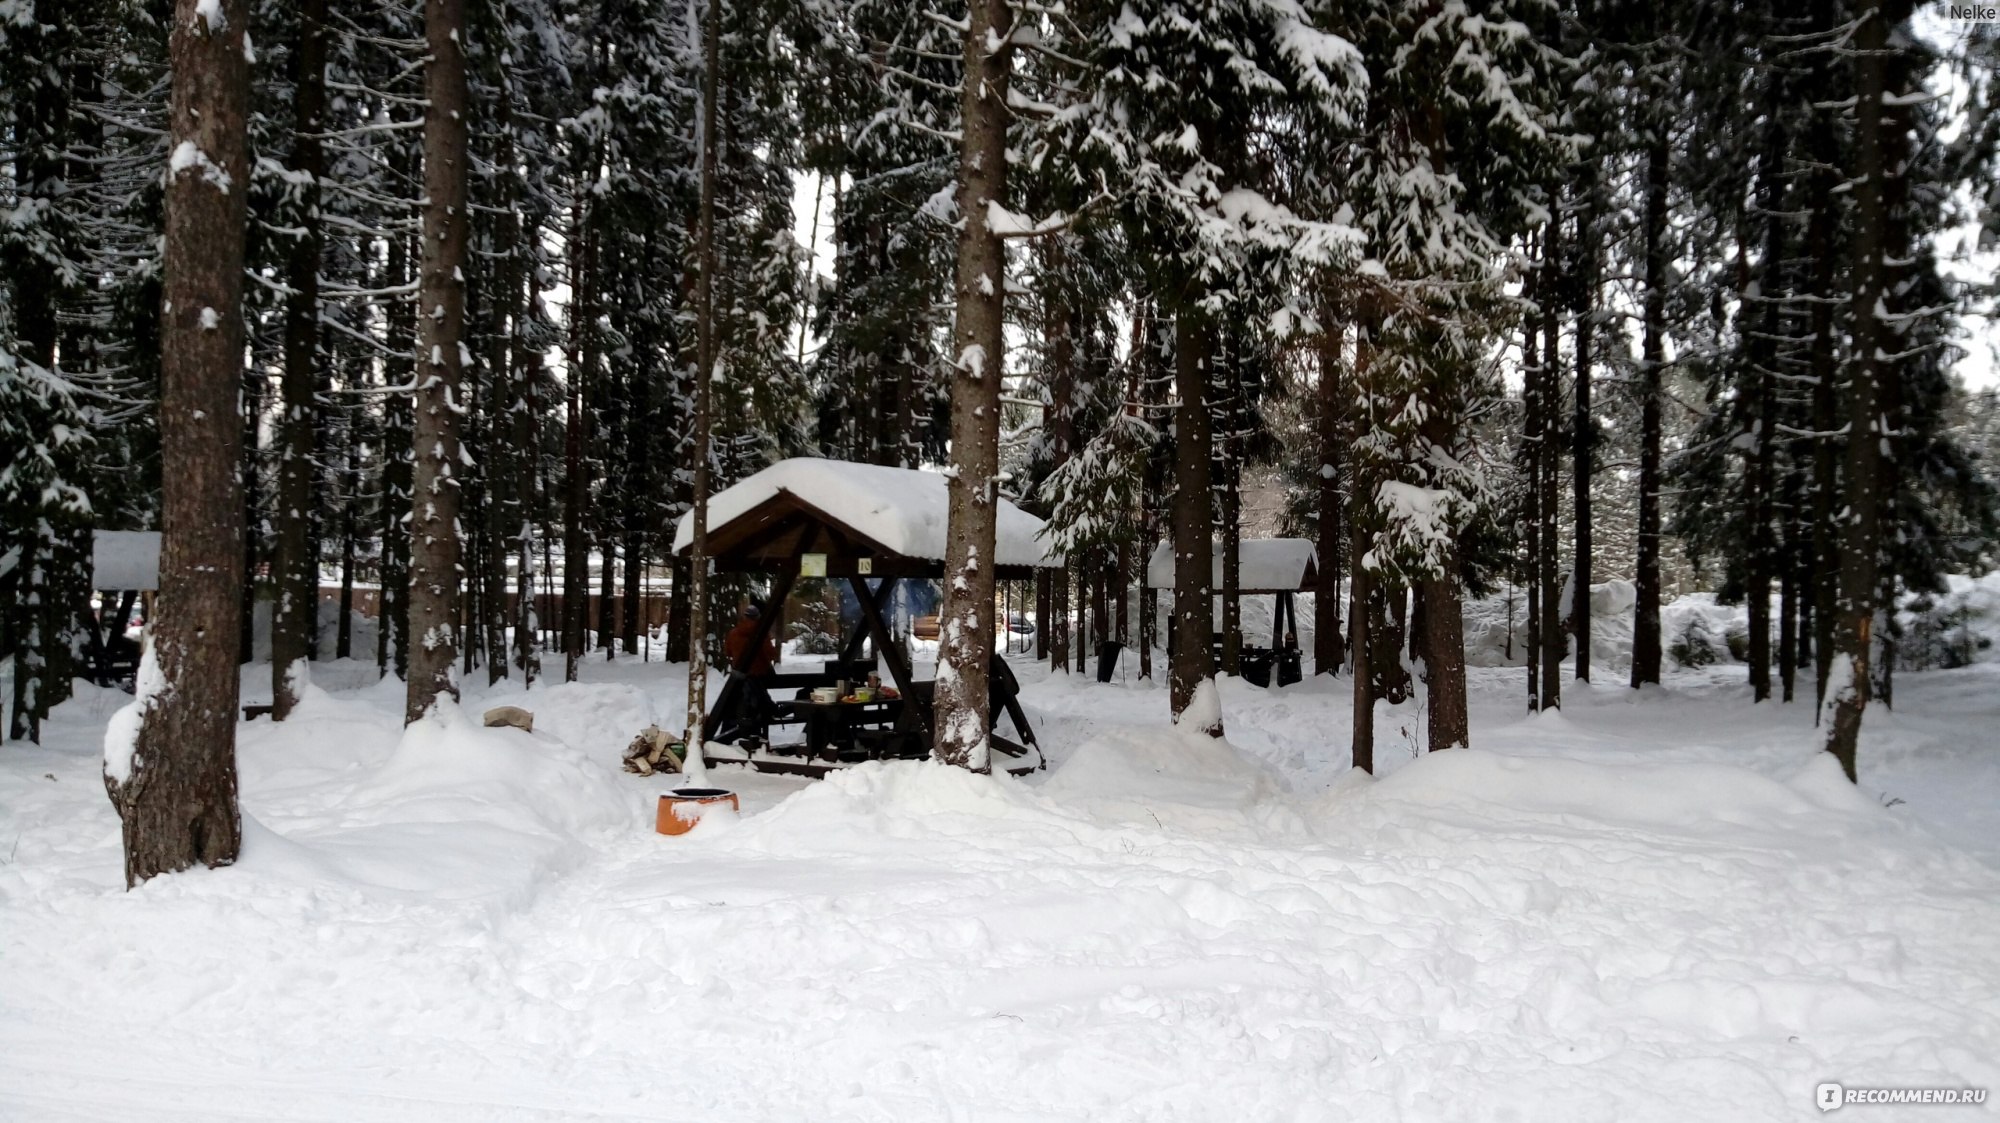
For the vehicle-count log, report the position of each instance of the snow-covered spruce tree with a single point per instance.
(1460, 137)
(877, 106)
(45, 508)
(1190, 107)
(170, 755)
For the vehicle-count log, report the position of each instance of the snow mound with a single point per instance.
(448, 769)
(1699, 798)
(1171, 781)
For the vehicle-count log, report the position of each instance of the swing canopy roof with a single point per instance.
(125, 560)
(1265, 565)
(865, 519)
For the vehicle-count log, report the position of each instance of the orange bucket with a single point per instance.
(682, 808)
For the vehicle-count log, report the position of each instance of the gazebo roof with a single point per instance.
(125, 559)
(893, 517)
(1265, 565)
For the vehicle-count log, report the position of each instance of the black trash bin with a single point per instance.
(1255, 663)
(1289, 669)
(1107, 659)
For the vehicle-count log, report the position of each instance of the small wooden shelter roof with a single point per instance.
(866, 519)
(1265, 565)
(125, 560)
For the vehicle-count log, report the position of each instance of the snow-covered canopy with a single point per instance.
(1267, 565)
(125, 559)
(896, 512)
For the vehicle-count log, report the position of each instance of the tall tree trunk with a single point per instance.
(1359, 647)
(1646, 613)
(696, 767)
(434, 530)
(965, 645)
(1548, 554)
(1534, 434)
(1229, 507)
(1327, 654)
(1583, 426)
(294, 573)
(526, 413)
(1824, 146)
(393, 641)
(1444, 661)
(1874, 160)
(576, 485)
(1188, 664)
(174, 784)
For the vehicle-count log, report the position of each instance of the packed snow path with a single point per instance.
(1661, 906)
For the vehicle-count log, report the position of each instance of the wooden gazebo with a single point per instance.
(1277, 567)
(859, 523)
(125, 562)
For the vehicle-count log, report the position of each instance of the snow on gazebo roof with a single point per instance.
(125, 559)
(901, 510)
(1266, 565)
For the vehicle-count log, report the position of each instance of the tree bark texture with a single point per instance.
(177, 798)
(294, 572)
(1646, 639)
(1189, 664)
(437, 463)
(965, 645)
(1874, 161)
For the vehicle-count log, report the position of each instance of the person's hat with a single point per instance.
(752, 612)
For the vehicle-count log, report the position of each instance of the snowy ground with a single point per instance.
(1656, 906)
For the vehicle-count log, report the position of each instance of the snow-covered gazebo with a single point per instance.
(1279, 567)
(859, 523)
(125, 562)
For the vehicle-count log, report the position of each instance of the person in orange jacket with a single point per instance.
(742, 636)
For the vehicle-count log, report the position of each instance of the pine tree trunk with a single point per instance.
(175, 790)
(1848, 690)
(1583, 425)
(1188, 664)
(698, 588)
(1229, 531)
(1548, 555)
(434, 529)
(1327, 654)
(1444, 662)
(393, 639)
(576, 494)
(1359, 650)
(527, 365)
(965, 646)
(1646, 613)
(294, 571)
(1534, 434)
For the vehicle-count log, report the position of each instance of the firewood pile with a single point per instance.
(653, 750)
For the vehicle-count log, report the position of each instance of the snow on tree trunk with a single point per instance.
(438, 456)
(965, 636)
(170, 756)
(1847, 690)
